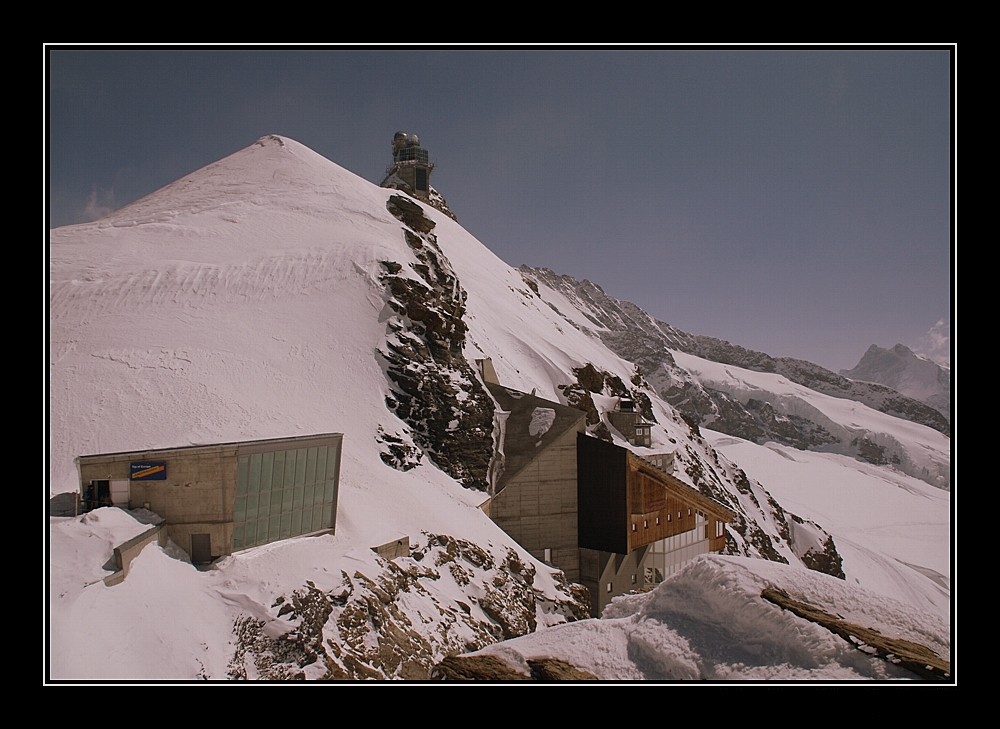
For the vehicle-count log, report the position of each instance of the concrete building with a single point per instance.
(607, 518)
(218, 499)
(535, 498)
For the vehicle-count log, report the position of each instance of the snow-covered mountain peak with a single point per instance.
(274, 293)
(907, 372)
(274, 174)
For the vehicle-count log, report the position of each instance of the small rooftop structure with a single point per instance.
(630, 424)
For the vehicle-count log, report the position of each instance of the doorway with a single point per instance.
(201, 548)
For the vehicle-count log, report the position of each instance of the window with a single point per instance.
(548, 555)
(645, 524)
(284, 493)
(657, 520)
(633, 578)
(633, 526)
(609, 587)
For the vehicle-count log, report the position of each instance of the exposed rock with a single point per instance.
(409, 213)
(398, 452)
(486, 667)
(826, 560)
(579, 397)
(592, 381)
(436, 392)
(476, 668)
(397, 623)
(907, 654)
(555, 669)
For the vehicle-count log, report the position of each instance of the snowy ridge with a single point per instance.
(919, 451)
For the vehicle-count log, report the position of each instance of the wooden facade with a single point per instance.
(661, 506)
(626, 502)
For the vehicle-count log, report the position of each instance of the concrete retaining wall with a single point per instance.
(126, 552)
(396, 548)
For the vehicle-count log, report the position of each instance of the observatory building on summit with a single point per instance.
(410, 170)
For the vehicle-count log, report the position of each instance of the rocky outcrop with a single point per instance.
(488, 668)
(448, 412)
(447, 597)
(592, 381)
(485, 668)
(825, 559)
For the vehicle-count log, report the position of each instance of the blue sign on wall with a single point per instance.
(148, 471)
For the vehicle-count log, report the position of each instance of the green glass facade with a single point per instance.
(285, 493)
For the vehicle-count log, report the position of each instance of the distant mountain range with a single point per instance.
(725, 404)
(907, 373)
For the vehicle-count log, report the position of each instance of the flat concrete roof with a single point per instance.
(240, 443)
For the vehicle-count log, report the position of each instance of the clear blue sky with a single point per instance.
(795, 201)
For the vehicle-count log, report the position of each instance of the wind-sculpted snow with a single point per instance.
(709, 622)
(276, 277)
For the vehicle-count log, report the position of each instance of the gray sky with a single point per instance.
(795, 201)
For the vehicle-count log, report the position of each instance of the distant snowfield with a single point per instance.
(881, 520)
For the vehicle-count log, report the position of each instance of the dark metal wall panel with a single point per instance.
(602, 495)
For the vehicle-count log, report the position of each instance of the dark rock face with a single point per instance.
(436, 392)
(484, 668)
(591, 381)
(826, 560)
